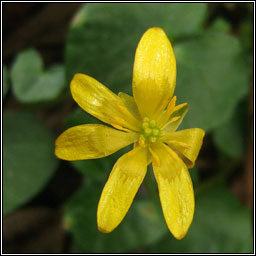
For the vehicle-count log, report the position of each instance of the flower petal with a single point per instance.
(154, 73)
(175, 190)
(120, 189)
(91, 141)
(99, 101)
(186, 142)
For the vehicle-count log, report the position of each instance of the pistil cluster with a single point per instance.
(150, 130)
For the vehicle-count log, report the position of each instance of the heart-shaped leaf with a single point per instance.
(213, 76)
(28, 158)
(230, 137)
(103, 37)
(31, 84)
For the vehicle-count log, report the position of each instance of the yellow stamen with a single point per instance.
(120, 120)
(142, 143)
(145, 125)
(172, 153)
(152, 139)
(155, 157)
(125, 111)
(148, 131)
(156, 132)
(171, 106)
(152, 123)
(120, 128)
(171, 121)
(166, 115)
(124, 123)
(180, 106)
(179, 143)
(146, 119)
(175, 119)
(162, 106)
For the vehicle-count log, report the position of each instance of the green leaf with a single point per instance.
(6, 84)
(221, 25)
(31, 84)
(221, 225)
(143, 224)
(230, 137)
(28, 158)
(212, 73)
(103, 37)
(212, 77)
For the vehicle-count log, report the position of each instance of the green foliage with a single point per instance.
(221, 225)
(107, 36)
(142, 226)
(212, 77)
(31, 84)
(221, 25)
(229, 137)
(212, 74)
(28, 158)
(6, 84)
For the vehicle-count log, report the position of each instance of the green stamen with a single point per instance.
(152, 139)
(156, 131)
(145, 125)
(150, 130)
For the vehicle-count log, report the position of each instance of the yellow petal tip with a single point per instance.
(102, 230)
(180, 236)
(154, 71)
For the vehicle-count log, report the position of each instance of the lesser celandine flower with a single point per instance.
(149, 119)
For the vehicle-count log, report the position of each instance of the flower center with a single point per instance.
(150, 130)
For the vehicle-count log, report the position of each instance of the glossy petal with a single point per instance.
(186, 142)
(175, 190)
(91, 141)
(99, 101)
(120, 189)
(154, 73)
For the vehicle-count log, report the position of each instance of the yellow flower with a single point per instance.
(149, 120)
